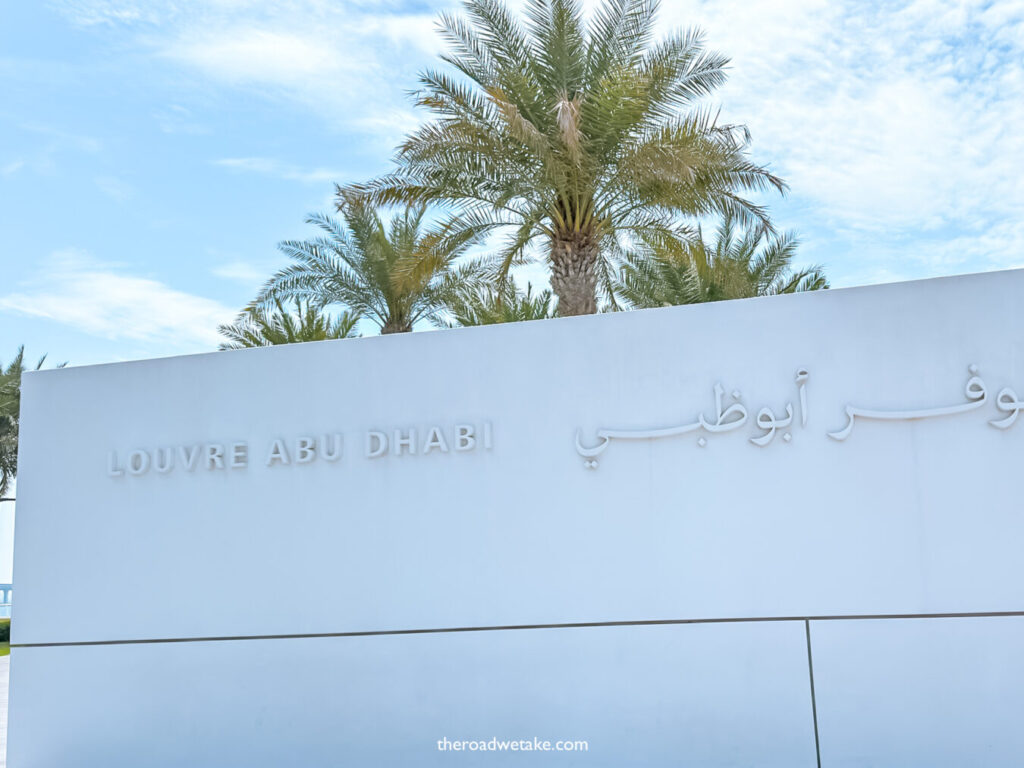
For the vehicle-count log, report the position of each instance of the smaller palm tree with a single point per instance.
(490, 304)
(10, 414)
(657, 280)
(264, 327)
(737, 265)
(393, 275)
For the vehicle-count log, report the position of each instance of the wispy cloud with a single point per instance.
(46, 145)
(115, 188)
(64, 139)
(108, 12)
(338, 58)
(897, 122)
(256, 56)
(101, 299)
(175, 118)
(269, 167)
(243, 272)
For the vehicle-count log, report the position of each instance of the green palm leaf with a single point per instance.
(394, 274)
(491, 304)
(737, 264)
(262, 326)
(10, 414)
(583, 135)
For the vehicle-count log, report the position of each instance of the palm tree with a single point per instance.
(487, 305)
(393, 275)
(737, 265)
(583, 134)
(263, 327)
(10, 408)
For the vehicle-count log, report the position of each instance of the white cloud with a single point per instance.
(269, 167)
(175, 118)
(62, 139)
(92, 12)
(244, 272)
(261, 57)
(48, 145)
(338, 58)
(342, 61)
(9, 169)
(101, 300)
(896, 123)
(115, 188)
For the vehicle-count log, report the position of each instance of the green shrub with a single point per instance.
(5, 630)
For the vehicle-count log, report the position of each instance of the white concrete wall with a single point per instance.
(661, 696)
(7, 536)
(903, 517)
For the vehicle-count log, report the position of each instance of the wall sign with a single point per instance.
(306, 449)
(734, 416)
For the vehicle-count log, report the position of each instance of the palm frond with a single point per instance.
(573, 130)
(10, 414)
(493, 303)
(261, 326)
(738, 263)
(388, 272)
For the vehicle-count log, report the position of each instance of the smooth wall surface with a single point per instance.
(650, 696)
(914, 515)
(944, 692)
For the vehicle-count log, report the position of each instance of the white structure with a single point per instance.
(636, 530)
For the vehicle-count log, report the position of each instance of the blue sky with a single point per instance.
(153, 153)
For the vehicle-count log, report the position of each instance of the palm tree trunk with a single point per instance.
(574, 273)
(395, 326)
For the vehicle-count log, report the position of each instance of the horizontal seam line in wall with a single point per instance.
(511, 627)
